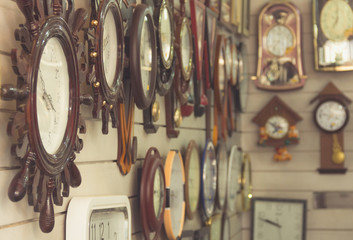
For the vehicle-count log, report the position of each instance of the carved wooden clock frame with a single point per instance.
(45, 20)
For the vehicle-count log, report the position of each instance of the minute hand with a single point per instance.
(271, 222)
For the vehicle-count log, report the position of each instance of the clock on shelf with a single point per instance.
(174, 213)
(152, 194)
(280, 65)
(276, 218)
(103, 217)
(331, 116)
(333, 35)
(105, 38)
(192, 178)
(48, 99)
(277, 127)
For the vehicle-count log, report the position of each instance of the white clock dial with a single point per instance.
(177, 203)
(222, 173)
(279, 40)
(186, 48)
(276, 219)
(52, 95)
(336, 20)
(331, 116)
(222, 74)
(234, 177)
(228, 59)
(277, 127)
(209, 177)
(194, 179)
(165, 33)
(158, 194)
(110, 48)
(234, 65)
(146, 56)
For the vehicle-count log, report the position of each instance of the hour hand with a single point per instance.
(270, 222)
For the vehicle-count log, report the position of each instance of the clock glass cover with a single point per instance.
(186, 49)
(209, 179)
(158, 192)
(166, 36)
(222, 171)
(331, 116)
(52, 96)
(278, 219)
(277, 127)
(234, 178)
(279, 40)
(146, 57)
(235, 63)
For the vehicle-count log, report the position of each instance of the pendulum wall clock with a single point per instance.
(333, 35)
(48, 102)
(331, 116)
(105, 38)
(277, 127)
(280, 65)
(164, 24)
(152, 194)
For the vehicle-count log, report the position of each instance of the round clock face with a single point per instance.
(146, 57)
(52, 95)
(279, 40)
(331, 116)
(186, 49)
(158, 192)
(234, 177)
(222, 173)
(228, 58)
(277, 127)
(209, 179)
(110, 48)
(336, 20)
(246, 182)
(222, 62)
(166, 35)
(193, 177)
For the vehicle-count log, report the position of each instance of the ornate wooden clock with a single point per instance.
(280, 65)
(331, 116)
(333, 35)
(48, 102)
(105, 38)
(277, 122)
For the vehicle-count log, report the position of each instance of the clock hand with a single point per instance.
(46, 97)
(270, 222)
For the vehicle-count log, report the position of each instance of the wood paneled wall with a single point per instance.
(298, 178)
(96, 162)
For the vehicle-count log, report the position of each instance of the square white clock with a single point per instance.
(103, 217)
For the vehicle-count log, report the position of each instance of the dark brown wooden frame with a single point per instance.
(151, 222)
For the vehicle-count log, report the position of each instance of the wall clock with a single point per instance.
(192, 178)
(152, 194)
(234, 178)
(104, 217)
(277, 127)
(331, 116)
(241, 90)
(280, 65)
(222, 174)
(143, 56)
(220, 91)
(105, 38)
(197, 9)
(174, 213)
(46, 123)
(278, 219)
(246, 182)
(211, 33)
(208, 180)
(333, 29)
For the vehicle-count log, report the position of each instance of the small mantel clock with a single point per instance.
(280, 65)
(277, 122)
(331, 116)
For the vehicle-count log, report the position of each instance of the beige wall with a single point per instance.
(298, 178)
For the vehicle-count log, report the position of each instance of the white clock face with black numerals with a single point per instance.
(52, 95)
(275, 219)
(277, 127)
(279, 40)
(146, 57)
(331, 116)
(158, 192)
